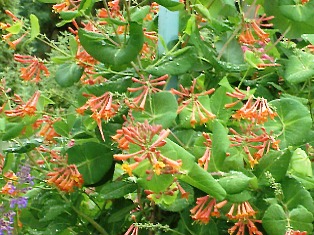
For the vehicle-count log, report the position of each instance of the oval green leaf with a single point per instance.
(104, 51)
(293, 124)
(68, 74)
(93, 160)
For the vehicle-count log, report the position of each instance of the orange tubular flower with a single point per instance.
(147, 87)
(103, 108)
(246, 218)
(28, 108)
(47, 131)
(32, 72)
(66, 5)
(205, 208)
(9, 188)
(142, 135)
(204, 160)
(256, 110)
(187, 96)
(66, 178)
(295, 232)
(133, 230)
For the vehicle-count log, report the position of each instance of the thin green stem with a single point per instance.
(244, 76)
(97, 226)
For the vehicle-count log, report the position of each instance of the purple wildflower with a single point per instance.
(24, 175)
(21, 202)
(6, 221)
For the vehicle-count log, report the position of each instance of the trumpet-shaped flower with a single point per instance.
(188, 96)
(66, 178)
(245, 217)
(146, 88)
(204, 160)
(33, 71)
(142, 135)
(205, 208)
(23, 109)
(102, 107)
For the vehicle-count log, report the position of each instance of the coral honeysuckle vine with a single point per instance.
(105, 134)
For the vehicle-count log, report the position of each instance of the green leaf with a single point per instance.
(296, 11)
(220, 145)
(193, 173)
(231, 53)
(293, 123)
(239, 197)
(301, 219)
(186, 114)
(86, 6)
(179, 62)
(300, 163)
(295, 194)
(234, 182)
(252, 59)
(61, 59)
(308, 37)
(138, 14)
(93, 160)
(299, 68)
(201, 179)
(68, 74)
(116, 189)
(286, 25)
(274, 220)
(276, 163)
(104, 51)
(69, 15)
(24, 147)
(62, 128)
(161, 109)
(118, 85)
(15, 28)
(157, 183)
(51, 209)
(171, 5)
(35, 29)
(73, 45)
(217, 104)
(179, 203)
(12, 130)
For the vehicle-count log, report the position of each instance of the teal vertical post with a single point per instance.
(168, 29)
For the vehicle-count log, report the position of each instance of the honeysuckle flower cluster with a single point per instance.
(245, 217)
(206, 207)
(8, 38)
(33, 71)
(24, 108)
(147, 87)
(186, 97)
(66, 178)
(46, 130)
(102, 107)
(147, 139)
(252, 135)
(254, 39)
(295, 232)
(66, 5)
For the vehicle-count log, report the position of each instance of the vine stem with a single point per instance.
(97, 226)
